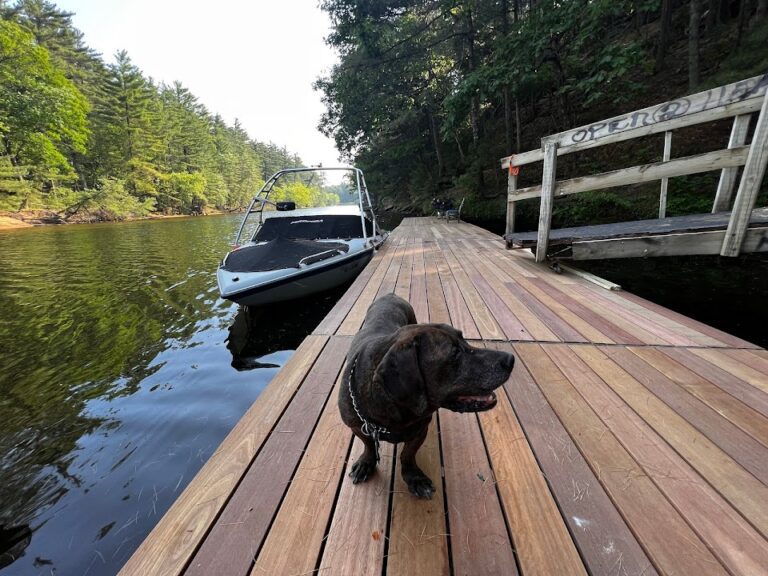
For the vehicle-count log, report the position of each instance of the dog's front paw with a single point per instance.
(362, 470)
(419, 484)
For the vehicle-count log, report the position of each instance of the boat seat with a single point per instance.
(280, 253)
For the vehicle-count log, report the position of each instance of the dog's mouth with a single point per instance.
(478, 403)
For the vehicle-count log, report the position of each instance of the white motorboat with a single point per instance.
(297, 252)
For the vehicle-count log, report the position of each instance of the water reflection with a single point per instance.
(117, 381)
(258, 331)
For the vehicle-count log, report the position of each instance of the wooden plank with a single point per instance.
(484, 319)
(636, 228)
(589, 277)
(736, 544)
(749, 357)
(665, 181)
(543, 544)
(728, 175)
(740, 97)
(336, 316)
(755, 377)
(650, 172)
(511, 187)
(567, 325)
(664, 331)
(726, 381)
(438, 309)
(731, 439)
(356, 315)
(389, 282)
(356, 540)
(584, 293)
(610, 327)
(715, 337)
(601, 535)
(506, 319)
(547, 193)
(745, 492)
(532, 324)
(480, 543)
(239, 532)
(174, 539)
(688, 244)
(403, 285)
(418, 539)
(749, 187)
(461, 318)
(304, 514)
(740, 414)
(671, 544)
(418, 295)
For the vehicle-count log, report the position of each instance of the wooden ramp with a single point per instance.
(674, 236)
(630, 440)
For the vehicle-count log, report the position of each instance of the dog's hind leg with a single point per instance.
(365, 466)
(418, 483)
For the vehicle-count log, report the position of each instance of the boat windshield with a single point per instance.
(313, 227)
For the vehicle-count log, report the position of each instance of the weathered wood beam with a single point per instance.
(754, 170)
(691, 243)
(511, 209)
(728, 176)
(643, 173)
(665, 181)
(742, 97)
(548, 182)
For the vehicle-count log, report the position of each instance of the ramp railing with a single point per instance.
(739, 100)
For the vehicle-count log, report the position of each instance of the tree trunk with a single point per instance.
(507, 102)
(666, 24)
(713, 15)
(435, 141)
(762, 9)
(474, 107)
(508, 120)
(693, 44)
(517, 124)
(743, 9)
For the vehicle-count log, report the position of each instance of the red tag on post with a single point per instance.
(514, 170)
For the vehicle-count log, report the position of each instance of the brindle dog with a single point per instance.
(399, 372)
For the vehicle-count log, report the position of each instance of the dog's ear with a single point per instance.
(399, 375)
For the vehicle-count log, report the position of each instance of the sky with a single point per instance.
(251, 60)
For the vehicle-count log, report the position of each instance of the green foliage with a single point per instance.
(429, 94)
(78, 133)
(42, 113)
(304, 195)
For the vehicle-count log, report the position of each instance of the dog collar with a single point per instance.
(373, 431)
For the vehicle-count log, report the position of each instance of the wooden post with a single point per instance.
(754, 170)
(547, 198)
(511, 187)
(665, 181)
(728, 175)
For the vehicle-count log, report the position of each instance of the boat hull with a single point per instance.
(296, 284)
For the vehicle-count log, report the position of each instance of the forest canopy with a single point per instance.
(429, 94)
(83, 135)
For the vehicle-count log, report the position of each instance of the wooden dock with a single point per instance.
(694, 234)
(630, 440)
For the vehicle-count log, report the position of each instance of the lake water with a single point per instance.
(121, 371)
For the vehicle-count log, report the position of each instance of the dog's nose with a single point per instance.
(508, 362)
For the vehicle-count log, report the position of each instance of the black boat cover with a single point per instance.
(313, 227)
(280, 253)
